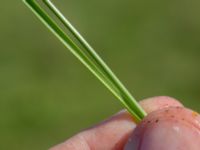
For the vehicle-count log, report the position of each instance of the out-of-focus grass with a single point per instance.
(41, 83)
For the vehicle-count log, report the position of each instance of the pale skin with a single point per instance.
(168, 126)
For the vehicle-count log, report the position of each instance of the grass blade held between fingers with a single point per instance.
(90, 51)
(87, 56)
(61, 35)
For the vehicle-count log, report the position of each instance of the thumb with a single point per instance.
(173, 128)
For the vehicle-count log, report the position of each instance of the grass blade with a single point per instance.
(65, 40)
(87, 56)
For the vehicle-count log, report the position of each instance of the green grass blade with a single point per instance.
(88, 57)
(69, 44)
(96, 58)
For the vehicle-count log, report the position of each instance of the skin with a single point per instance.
(168, 126)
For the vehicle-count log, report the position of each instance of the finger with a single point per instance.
(114, 132)
(159, 102)
(171, 128)
(111, 133)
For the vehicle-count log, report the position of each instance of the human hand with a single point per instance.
(168, 126)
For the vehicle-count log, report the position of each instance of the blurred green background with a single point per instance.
(46, 95)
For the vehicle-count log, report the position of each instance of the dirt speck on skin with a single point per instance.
(194, 114)
(167, 110)
(172, 116)
(178, 107)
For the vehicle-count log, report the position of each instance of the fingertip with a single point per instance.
(178, 127)
(159, 102)
(114, 132)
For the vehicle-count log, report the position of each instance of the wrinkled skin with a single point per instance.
(168, 126)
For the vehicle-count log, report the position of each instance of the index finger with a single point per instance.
(113, 133)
